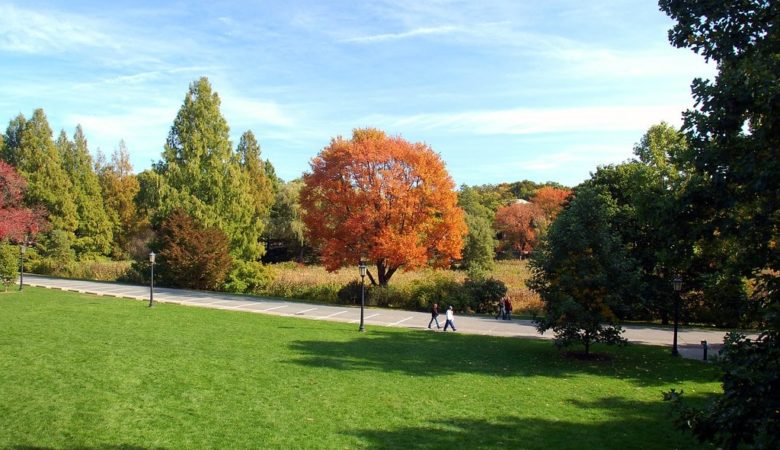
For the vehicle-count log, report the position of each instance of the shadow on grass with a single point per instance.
(605, 424)
(435, 354)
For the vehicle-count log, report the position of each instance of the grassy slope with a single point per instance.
(83, 371)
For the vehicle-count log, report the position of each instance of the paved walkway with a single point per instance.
(689, 340)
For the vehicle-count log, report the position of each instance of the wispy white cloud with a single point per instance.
(404, 34)
(144, 129)
(28, 31)
(245, 110)
(540, 120)
(584, 156)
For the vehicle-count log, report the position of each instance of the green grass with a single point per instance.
(79, 371)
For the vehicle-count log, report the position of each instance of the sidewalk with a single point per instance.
(689, 340)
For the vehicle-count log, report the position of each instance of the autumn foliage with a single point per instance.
(190, 255)
(17, 223)
(516, 224)
(550, 200)
(383, 199)
(520, 224)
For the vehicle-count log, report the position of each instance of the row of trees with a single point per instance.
(373, 197)
(98, 209)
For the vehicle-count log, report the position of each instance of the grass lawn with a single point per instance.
(80, 371)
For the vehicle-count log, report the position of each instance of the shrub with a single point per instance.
(391, 297)
(191, 255)
(248, 277)
(485, 293)
(9, 264)
(84, 270)
(350, 293)
(443, 291)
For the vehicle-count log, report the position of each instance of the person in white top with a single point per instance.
(450, 319)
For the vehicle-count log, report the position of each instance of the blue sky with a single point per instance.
(503, 90)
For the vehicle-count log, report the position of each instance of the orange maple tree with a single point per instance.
(550, 200)
(383, 200)
(517, 225)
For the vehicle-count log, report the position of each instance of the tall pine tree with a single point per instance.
(93, 233)
(201, 174)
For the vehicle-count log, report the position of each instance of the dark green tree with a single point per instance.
(645, 192)
(583, 273)
(480, 243)
(734, 134)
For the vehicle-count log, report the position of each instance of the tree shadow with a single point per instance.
(604, 424)
(435, 354)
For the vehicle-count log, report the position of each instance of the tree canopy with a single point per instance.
(201, 173)
(734, 196)
(384, 199)
(583, 273)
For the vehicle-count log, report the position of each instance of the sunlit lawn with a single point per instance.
(80, 371)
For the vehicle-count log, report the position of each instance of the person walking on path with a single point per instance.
(508, 309)
(434, 316)
(501, 309)
(450, 319)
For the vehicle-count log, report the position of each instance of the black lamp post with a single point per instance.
(362, 268)
(151, 279)
(677, 284)
(22, 250)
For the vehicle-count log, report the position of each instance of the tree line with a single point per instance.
(213, 212)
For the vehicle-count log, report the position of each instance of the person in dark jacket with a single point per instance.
(501, 310)
(434, 316)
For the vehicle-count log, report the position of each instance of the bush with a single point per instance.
(248, 277)
(391, 297)
(485, 293)
(443, 291)
(100, 270)
(192, 256)
(350, 293)
(9, 264)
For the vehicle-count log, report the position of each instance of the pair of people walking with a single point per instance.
(504, 308)
(450, 322)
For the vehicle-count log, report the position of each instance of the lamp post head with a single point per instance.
(23, 247)
(677, 283)
(152, 256)
(362, 268)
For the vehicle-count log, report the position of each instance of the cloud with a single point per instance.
(144, 130)
(403, 35)
(590, 156)
(520, 121)
(242, 110)
(27, 31)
